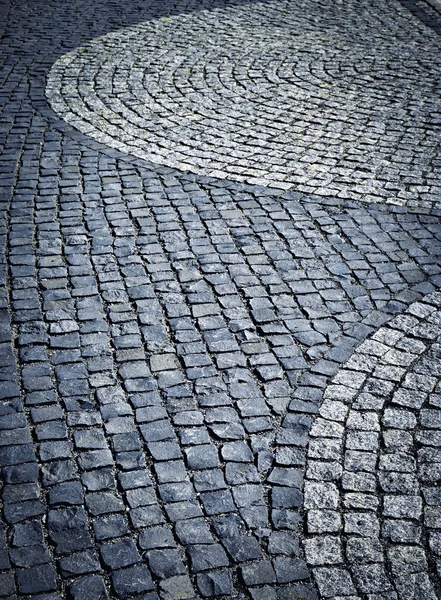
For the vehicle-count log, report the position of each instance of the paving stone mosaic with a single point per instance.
(328, 99)
(213, 386)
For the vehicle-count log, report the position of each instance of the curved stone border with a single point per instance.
(372, 472)
(315, 113)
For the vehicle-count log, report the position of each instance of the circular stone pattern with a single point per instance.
(372, 494)
(335, 99)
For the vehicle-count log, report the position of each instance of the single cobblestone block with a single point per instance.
(334, 581)
(79, 564)
(290, 569)
(99, 503)
(242, 548)
(170, 472)
(21, 511)
(69, 493)
(156, 537)
(371, 578)
(164, 450)
(228, 431)
(258, 573)
(120, 554)
(321, 495)
(204, 456)
(241, 473)
(218, 502)
(193, 531)
(283, 543)
(177, 588)
(54, 430)
(236, 452)
(68, 529)
(134, 580)
(89, 588)
(194, 435)
(214, 584)
(12, 421)
(188, 509)
(212, 479)
(55, 450)
(95, 459)
(286, 497)
(248, 495)
(7, 584)
(401, 531)
(415, 586)
(264, 593)
(146, 516)
(110, 526)
(41, 578)
(98, 480)
(402, 507)
(22, 473)
(16, 455)
(4, 558)
(134, 479)
(17, 493)
(163, 362)
(323, 550)
(204, 557)
(157, 431)
(175, 492)
(165, 563)
(362, 523)
(27, 534)
(90, 439)
(407, 559)
(29, 556)
(363, 550)
(141, 497)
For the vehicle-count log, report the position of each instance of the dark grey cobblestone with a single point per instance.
(177, 349)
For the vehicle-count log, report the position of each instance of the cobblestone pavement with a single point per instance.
(220, 324)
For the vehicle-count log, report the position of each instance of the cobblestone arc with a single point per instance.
(372, 481)
(328, 98)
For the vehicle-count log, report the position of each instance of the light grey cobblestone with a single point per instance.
(389, 480)
(280, 105)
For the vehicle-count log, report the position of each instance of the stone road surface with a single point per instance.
(220, 324)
